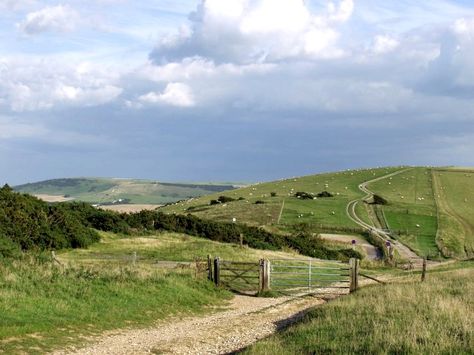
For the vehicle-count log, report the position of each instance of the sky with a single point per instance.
(234, 90)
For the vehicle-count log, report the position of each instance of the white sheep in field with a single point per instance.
(333, 213)
(417, 226)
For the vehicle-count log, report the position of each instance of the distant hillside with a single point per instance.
(428, 209)
(123, 191)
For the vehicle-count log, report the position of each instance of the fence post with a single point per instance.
(134, 258)
(264, 275)
(209, 268)
(241, 239)
(423, 271)
(217, 270)
(354, 274)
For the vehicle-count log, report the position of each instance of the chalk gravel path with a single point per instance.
(247, 320)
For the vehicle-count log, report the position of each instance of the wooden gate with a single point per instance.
(237, 275)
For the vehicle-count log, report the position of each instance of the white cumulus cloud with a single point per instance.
(31, 85)
(175, 94)
(250, 31)
(384, 44)
(60, 18)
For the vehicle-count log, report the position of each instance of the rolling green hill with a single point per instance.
(281, 208)
(108, 191)
(414, 203)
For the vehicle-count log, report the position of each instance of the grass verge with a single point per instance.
(44, 307)
(436, 316)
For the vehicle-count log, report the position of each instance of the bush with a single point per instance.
(325, 194)
(29, 223)
(8, 249)
(214, 202)
(304, 195)
(273, 194)
(379, 200)
(225, 199)
(259, 202)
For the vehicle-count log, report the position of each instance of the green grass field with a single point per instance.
(321, 211)
(455, 196)
(45, 306)
(411, 209)
(408, 317)
(165, 247)
(95, 190)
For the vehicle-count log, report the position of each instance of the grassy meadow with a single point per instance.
(45, 305)
(454, 192)
(405, 317)
(330, 211)
(165, 246)
(411, 209)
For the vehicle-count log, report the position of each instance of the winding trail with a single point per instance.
(247, 320)
(403, 250)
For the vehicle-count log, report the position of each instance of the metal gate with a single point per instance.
(313, 275)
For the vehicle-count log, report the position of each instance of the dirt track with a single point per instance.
(247, 320)
(372, 252)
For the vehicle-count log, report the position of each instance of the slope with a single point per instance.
(454, 193)
(276, 204)
(112, 191)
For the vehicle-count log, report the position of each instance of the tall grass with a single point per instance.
(434, 317)
(43, 306)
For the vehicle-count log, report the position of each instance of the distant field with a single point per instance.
(129, 208)
(455, 198)
(330, 211)
(411, 209)
(118, 191)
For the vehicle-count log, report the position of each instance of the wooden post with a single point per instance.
(134, 258)
(264, 275)
(217, 270)
(354, 274)
(209, 268)
(241, 239)
(423, 271)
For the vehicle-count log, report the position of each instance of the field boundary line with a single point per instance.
(281, 211)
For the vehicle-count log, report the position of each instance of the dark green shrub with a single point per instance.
(379, 200)
(225, 199)
(304, 195)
